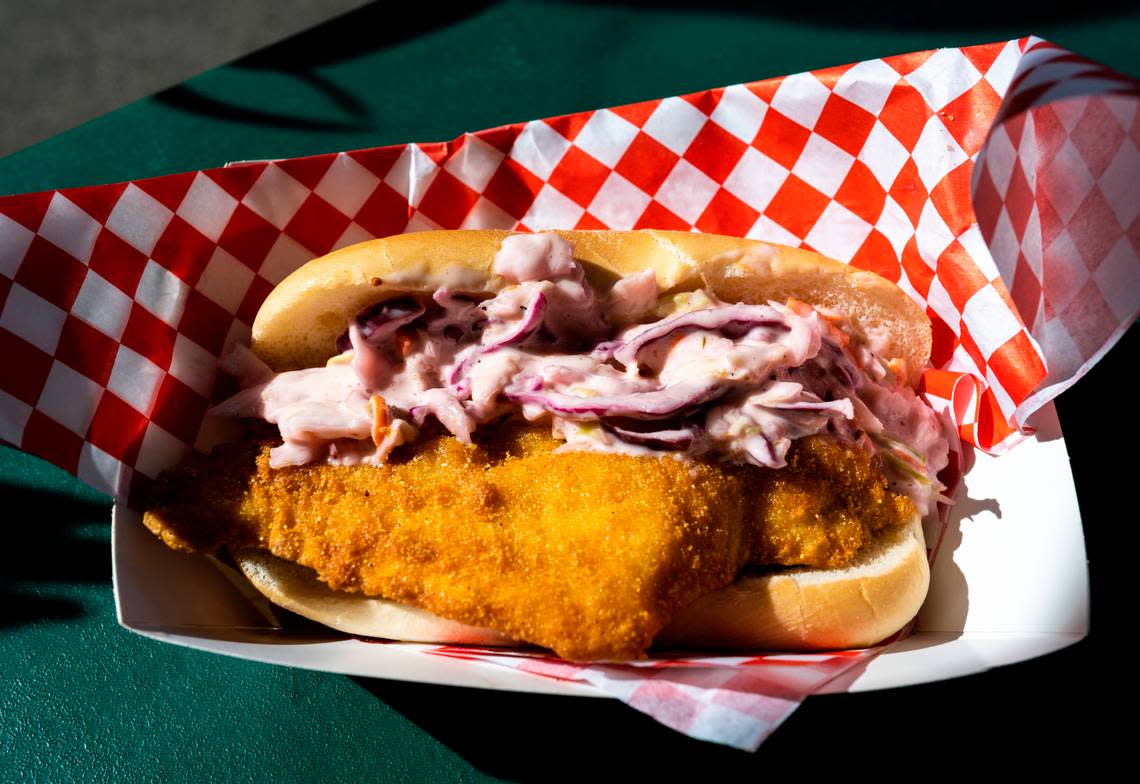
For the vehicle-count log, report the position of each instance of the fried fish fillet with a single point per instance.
(585, 553)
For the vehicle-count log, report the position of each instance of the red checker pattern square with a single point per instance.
(379, 160)
(637, 113)
(943, 340)
(655, 216)
(580, 176)
(205, 322)
(384, 213)
(1092, 223)
(727, 214)
(569, 125)
(307, 171)
(1017, 363)
(781, 139)
(991, 426)
(918, 272)
(178, 409)
(248, 237)
(797, 206)
(1026, 290)
(646, 163)
(183, 250)
(512, 188)
(258, 290)
(28, 210)
(150, 336)
(117, 428)
(1048, 131)
(1097, 136)
(589, 223)
(844, 124)
(97, 201)
(117, 262)
(959, 275)
(86, 349)
(905, 114)
(237, 180)
(447, 201)
(861, 193)
(169, 190)
(959, 116)
(714, 151)
(1019, 199)
(877, 255)
(34, 368)
(945, 196)
(987, 202)
(909, 192)
(55, 443)
(317, 225)
(51, 273)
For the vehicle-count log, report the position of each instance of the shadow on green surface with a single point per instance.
(188, 99)
(46, 547)
(365, 30)
(373, 28)
(527, 737)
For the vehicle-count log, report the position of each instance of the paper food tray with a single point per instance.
(1010, 583)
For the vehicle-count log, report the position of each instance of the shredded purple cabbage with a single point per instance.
(652, 404)
(379, 322)
(735, 321)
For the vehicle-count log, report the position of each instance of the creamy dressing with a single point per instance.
(734, 381)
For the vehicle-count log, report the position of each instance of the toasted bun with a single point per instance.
(805, 609)
(297, 589)
(299, 321)
(802, 609)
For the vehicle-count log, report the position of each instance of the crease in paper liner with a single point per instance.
(116, 300)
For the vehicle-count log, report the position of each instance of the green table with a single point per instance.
(81, 699)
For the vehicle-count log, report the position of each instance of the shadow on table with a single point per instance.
(364, 30)
(526, 737)
(45, 546)
(373, 28)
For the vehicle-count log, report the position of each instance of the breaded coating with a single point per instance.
(587, 554)
(822, 509)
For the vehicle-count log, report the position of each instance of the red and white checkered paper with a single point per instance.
(991, 182)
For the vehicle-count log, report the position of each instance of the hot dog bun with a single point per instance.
(801, 609)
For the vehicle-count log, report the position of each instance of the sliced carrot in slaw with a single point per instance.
(381, 419)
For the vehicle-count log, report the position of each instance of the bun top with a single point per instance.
(299, 321)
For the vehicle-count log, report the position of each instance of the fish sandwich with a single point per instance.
(592, 442)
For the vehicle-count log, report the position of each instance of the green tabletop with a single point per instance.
(84, 700)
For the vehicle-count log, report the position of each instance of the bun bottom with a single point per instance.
(297, 589)
(813, 609)
(795, 610)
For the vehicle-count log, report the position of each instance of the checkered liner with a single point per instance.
(737, 701)
(116, 300)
